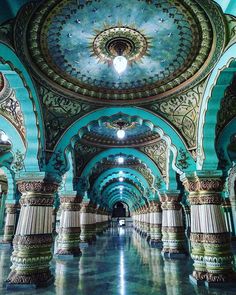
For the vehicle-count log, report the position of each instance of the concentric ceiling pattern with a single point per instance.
(104, 131)
(168, 42)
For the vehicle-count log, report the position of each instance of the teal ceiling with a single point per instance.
(73, 43)
(104, 131)
(71, 31)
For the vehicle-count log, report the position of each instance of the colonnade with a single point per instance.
(210, 239)
(32, 236)
(160, 221)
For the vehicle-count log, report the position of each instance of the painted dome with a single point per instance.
(166, 43)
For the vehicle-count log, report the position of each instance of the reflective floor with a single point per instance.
(120, 263)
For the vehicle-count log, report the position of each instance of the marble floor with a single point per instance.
(120, 263)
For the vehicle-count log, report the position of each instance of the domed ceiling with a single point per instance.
(168, 45)
(104, 132)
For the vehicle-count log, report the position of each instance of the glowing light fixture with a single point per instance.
(120, 64)
(120, 160)
(3, 137)
(120, 133)
(121, 179)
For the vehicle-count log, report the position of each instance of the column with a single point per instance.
(10, 223)
(211, 252)
(92, 216)
(54, 219)
(155, 223)
(69, 231)
(86, 223)
(33, 238)
(172, 226)
(147, 223)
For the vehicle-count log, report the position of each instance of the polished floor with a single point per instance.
(120, 263)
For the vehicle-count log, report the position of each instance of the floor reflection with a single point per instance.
(120, 263)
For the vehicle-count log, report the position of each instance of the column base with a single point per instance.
(169, 255)
(220, 285)
(156, 244)
(26, 282)
(68, 253)
(196, 282)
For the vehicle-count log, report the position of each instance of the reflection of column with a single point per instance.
(10, 223)
(211, 251)
(173, 276)
(69, 232)
(33, 239)
(62, 283)
(155, 222)
(172, 225)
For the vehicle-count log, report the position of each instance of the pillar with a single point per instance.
(155, 223)
(54, 219)
(87, 223)
(173, 237)
(210, 239)
(10, 223)
(33, 238)
(69, 230)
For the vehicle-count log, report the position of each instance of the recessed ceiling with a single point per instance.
(104, 132)
(169, 43)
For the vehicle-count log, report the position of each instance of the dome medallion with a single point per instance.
(168, 46)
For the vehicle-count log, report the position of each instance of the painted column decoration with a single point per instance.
(69, 231)
(87, 223)
(10, 223)
(173, 237)
(33, 239)
(155, 222)
(210, 239)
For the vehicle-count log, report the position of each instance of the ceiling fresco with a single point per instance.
(104, 131)
(71, 43)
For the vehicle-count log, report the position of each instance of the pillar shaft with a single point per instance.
(33, 239)
(213, 260)
(69, 231)
(172, 225)
(87, 223)
(10, 223)
(155, 222)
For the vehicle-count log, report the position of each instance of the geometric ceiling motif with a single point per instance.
(82, 154)
(158, 152)
(183, 112)
(59, 113)
(10, 107)
(227, 110)
(67, 42)
(103, 132)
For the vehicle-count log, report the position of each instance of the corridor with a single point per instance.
(119, 263)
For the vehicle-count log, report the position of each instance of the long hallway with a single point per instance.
(120, 262)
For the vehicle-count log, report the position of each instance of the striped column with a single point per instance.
(33, 239)
(10, 223)
(155, 222)
(69, 231)
(172, 225)
(208, 229)
(87, 223)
